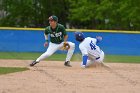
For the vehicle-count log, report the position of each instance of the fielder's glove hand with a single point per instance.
(66, 46)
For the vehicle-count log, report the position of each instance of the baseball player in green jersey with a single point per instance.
(58, 37)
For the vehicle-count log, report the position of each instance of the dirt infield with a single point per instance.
(53, 77)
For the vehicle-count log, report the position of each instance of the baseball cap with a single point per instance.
(53, 17)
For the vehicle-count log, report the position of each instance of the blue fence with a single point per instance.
(33, 40)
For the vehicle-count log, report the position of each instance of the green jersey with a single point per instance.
(57, 34)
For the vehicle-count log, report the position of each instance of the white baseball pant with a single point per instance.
(52, 48)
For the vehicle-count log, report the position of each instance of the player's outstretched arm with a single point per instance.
(46, 40)
(98, 38)
(65, 38)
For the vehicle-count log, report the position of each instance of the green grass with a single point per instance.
(122, 59)
(18, 55)
(61, 57)
(6, 70)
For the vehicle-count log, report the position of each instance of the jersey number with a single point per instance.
(92, 45)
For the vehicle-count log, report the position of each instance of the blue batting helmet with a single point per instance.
(79, 36)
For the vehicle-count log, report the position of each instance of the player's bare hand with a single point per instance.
(99, 38)
(45, 44)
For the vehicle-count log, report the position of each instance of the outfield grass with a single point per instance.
(6, 70)
(61, 57)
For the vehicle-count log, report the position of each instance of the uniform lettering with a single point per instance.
(56, 34)
(52, 35)
(92, 45)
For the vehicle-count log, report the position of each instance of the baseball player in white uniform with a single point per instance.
(90, 51)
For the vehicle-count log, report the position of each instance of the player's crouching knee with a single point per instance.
(72, 46)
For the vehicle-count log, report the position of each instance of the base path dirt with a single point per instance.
(54, 77)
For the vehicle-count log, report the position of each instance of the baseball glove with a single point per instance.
(66, 46)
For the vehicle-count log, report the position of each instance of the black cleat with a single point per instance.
(67, 63)
(33, 63)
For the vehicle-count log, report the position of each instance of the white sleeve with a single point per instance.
(83, 50)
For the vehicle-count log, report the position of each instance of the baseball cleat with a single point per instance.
(67, 63)
(33, 63)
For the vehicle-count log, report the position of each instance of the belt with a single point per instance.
(97, 58)
(57, 42)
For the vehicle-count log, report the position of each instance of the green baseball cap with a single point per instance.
(53, 17)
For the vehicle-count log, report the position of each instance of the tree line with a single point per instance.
(89, 14)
